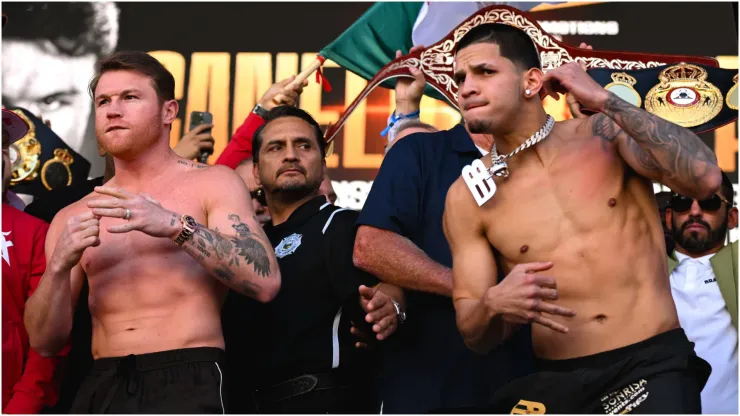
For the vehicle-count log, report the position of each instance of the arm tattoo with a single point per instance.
(229, 253)
(246, 246)
(665, 149)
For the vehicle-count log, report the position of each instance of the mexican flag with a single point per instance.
(372, 41)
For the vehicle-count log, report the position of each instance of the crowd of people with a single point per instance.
(552, 284)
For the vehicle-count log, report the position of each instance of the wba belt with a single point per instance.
(699, 97)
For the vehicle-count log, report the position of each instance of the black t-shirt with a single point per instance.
(306, 328)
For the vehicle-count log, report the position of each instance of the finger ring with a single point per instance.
(128, 214)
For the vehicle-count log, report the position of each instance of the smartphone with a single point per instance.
(196, 119)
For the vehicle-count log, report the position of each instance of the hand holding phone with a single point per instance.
(198, 118)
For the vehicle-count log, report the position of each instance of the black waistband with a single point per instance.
(268, 396)
(674, 338)
(161, 359)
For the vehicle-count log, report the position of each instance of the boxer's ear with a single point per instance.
(533, 82)
(732, 218)
(256, 173)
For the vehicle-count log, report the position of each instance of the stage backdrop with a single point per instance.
(225, 55)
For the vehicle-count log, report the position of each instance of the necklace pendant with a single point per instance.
(500, 168)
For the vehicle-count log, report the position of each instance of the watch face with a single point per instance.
(191, 221)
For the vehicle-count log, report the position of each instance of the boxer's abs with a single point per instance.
(155, 299)
(184, 324)
(619, 290)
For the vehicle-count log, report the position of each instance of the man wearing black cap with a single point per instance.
(30, 381)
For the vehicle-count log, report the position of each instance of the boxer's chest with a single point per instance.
(537, 206)
(119, 249)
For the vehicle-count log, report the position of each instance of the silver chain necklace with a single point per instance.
(498, 162)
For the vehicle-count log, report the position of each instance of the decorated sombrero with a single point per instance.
(691, 91)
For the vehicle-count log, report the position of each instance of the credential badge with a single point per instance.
(288, 245)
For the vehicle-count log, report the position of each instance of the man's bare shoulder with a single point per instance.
(77, 208)
(460, 200)
(215, 173)
(574, 129)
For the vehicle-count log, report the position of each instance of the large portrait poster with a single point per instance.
(225, 55)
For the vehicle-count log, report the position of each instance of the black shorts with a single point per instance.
(178, 381)
(662, 374)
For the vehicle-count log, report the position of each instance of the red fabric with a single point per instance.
(240, 146)
(29, 381)
(320, 78)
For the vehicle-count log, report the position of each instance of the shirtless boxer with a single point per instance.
(156, 288)
(577, 209)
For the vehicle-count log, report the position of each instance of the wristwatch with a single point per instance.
(260, 111)
(400, 313)
(189, 225)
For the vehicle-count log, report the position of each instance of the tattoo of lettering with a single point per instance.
(192, 165)
(174, 218)
(660, 146)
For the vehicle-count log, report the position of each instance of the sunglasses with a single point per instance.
(259, 195)
(681, 203)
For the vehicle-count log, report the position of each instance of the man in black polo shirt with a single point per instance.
(298, 352)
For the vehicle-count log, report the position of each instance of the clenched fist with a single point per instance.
(81, 232)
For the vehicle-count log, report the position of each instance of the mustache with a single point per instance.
(297, 167)
(695, 221)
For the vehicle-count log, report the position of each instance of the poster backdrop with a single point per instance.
(225, 55)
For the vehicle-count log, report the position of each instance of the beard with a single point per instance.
(694, 243)
(479, 126)
(293, 190)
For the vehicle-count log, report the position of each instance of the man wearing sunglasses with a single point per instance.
(703, 275)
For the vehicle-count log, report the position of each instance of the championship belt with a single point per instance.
(436, 63)
(698, 97)
(41, 161)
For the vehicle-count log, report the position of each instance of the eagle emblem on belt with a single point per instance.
(288, 245)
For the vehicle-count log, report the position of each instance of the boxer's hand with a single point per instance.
(409, 91)
(194, 142)
(519, 298)
(364, 338)
(572, 78)
(281, 93)
(380, 311)
(147, 214)
(81, 232)
(573, 105)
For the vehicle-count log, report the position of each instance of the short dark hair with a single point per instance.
(727, 190)
(73, 29)
(281, 112)
(514, 44)
(143, 63)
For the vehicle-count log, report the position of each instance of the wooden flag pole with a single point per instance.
(315, 65)
(306, 72)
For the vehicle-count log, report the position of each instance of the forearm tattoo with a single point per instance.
(246, 248)
(669, 150)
